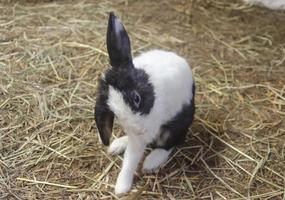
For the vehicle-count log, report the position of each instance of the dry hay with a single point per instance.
(51, 54)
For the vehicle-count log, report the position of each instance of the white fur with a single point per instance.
(172, 80)
(272, 4)
(118, 146)
(132, 157)
(155, 159)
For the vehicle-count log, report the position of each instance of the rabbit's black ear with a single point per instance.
(118, 43)
(104, 117)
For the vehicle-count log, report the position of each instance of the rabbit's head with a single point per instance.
(124, 91)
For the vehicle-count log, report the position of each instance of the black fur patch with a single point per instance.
(127, 79)
(118, 42)
(174, 131)
(104, 117)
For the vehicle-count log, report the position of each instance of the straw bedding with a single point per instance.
(51, 54)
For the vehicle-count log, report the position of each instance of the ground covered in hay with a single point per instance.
(51, 54)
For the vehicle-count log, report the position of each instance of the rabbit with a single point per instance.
(271, 4)
(152, 99)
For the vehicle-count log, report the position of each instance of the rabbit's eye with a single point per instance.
(136, 98)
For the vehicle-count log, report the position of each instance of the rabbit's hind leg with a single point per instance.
(155, 159)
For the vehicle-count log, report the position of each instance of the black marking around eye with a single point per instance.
(129, 79)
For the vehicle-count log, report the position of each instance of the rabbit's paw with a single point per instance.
(155, 159)
(123, 184)
(118, 146)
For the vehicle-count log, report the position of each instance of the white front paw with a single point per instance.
(123, 184)
(118, 146)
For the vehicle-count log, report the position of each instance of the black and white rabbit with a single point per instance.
(152, 98)
(271, 4)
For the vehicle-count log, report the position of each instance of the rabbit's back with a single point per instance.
(170, 73)
(172, 79)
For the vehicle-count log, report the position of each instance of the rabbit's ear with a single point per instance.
(104, 119)
(118, 43)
